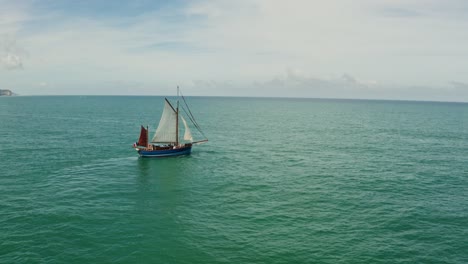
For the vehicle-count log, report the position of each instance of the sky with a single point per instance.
(386, 49)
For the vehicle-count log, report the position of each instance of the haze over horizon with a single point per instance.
(390, 49)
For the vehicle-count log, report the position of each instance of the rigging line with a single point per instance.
(192, 118)
(194, 123)
(185, 102)
(197, 126)
(189, 112)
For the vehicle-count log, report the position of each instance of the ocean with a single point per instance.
(280, 181)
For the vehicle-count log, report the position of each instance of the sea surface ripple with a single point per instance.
(280, 181)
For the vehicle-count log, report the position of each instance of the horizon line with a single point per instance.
(248, 97)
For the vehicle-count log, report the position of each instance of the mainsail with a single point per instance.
(187, 134)
(143, 140)
(167, 128)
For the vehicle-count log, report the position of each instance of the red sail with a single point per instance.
(143, 141)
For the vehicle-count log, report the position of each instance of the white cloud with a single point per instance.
(238, 45)
(11, 53)
(293, 83)
(11, 61)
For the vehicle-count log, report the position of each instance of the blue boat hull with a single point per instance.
(165, 153)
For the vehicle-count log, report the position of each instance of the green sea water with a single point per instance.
(280, 181)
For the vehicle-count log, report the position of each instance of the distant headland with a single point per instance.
(6, 93)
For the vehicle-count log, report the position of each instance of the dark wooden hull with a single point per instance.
(186, 150)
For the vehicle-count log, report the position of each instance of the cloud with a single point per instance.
(371, 49)
(11, 54)
(12, 16)
(461, 86)
(296, 84)
(399, 12)
(292, 83)
(11, 62)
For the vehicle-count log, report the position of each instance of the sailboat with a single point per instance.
(166, 141)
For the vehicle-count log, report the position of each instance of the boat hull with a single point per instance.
(165, 153)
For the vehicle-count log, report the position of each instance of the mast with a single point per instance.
(147, 136)
(177, 118)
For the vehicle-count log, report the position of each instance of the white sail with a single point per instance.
(166, 131)
(187, 134)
